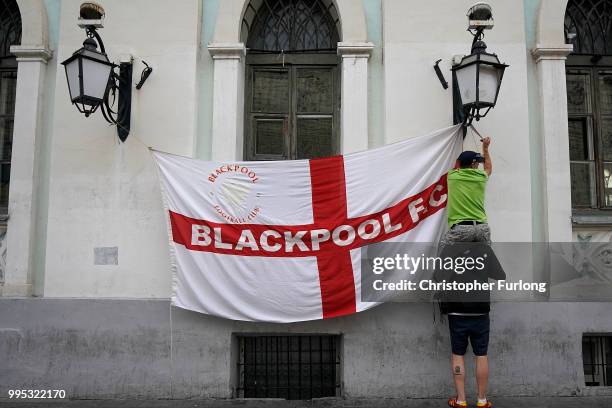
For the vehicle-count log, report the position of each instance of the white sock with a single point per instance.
(482, 401)
(461, 402)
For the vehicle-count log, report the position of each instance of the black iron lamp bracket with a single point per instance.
(92, 32)
(119, 90)
(478, 35)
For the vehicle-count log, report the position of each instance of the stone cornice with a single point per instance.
(226, 50)
(547, 52)
(31, 53)
(355, 49)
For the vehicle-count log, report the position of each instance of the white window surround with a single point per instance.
(549, 54)
(32, 56)
(354, 99)
(228, 53)
(228, 100)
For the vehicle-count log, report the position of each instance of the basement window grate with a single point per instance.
(597, 359)
(289, 367)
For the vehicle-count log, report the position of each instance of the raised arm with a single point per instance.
(488, 165)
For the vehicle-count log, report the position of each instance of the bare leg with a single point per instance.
(482, 375)
(458, 367)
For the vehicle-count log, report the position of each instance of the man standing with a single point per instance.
(467, 221)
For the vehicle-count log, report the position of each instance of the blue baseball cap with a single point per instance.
(468, 157)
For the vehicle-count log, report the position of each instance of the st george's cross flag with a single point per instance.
(280, 241)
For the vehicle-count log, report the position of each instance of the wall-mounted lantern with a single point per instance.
(88, 73)
(477, 77)
(92, 78)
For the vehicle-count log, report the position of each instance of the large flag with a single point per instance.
(280, 241)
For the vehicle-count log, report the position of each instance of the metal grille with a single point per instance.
(597, 360)
(10, 26)
(289, 367)
(291, 25)
(588, 26)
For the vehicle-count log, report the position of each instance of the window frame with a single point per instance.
(600, 339)
(289, 62)
(599, 213)
(6, 65)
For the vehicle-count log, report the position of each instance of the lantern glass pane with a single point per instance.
(489, 83)
(469, 58)
(466, 79)
(94, 54)
(72, 73)
(489, 58)
(95, 78)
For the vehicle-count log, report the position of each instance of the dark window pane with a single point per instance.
(578, 139)
(315, 91)
(269, 138)
(5, 172)
(582, 184)
(587, 360)
(8, 84)
(605, 93)
(606, 138)
(578, 93)
(6, 138)
(314, 137)
(607, 184)
(271, 91)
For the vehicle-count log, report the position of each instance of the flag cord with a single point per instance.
(473, 129)
(171, 360)
(133, 136)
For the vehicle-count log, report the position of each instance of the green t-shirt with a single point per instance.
(466, 195)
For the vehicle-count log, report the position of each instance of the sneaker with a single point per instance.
(487, 404)
(452, 402)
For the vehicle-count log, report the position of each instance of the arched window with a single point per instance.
(588, 26)
(302, 25)
(10, 34)
(292, 98)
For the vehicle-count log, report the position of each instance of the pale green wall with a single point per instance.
(376, 97)
(53, 14)
(210, 10)
(53, 8)
(531, 8)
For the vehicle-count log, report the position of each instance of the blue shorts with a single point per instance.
(474, 328)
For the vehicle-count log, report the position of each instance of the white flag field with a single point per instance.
(280, 241)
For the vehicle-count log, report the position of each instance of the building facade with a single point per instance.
(85, 280)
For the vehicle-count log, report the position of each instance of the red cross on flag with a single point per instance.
(280, 241)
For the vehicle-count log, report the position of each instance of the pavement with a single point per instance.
(502, 402)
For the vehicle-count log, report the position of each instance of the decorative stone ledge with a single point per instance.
(545, 52)
(227, 50)
(355, 49)
(31, 53)
(15, 290)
